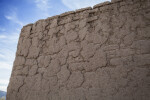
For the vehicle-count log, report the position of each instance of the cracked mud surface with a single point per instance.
(90, 54)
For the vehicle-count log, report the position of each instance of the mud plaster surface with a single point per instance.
(100, 53)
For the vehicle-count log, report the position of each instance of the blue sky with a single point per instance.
(14, 14)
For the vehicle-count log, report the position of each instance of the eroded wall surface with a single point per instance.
(99, 53)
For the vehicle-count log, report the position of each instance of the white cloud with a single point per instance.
(4, 82)
(2, 36)
(77, 4)
(3, 88)
(9, 39)
(8, 47)
(12, 16)
(8, 44)
(5, 65)
(44, 6)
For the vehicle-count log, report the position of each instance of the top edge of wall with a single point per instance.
(78, 11)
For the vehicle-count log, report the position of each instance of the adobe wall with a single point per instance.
(99, 53)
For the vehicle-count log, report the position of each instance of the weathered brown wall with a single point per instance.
(100, 53)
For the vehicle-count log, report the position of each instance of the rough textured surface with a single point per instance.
(100, 53)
